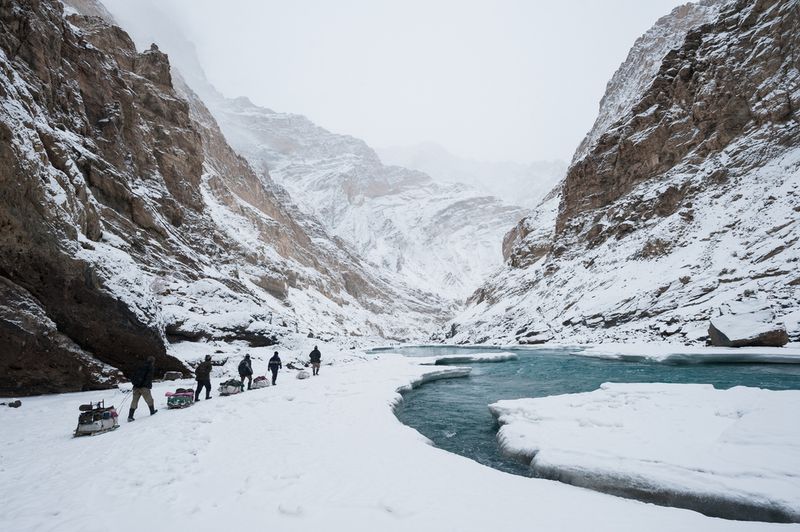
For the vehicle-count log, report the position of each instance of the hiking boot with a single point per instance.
(153, 410)
(208, 397)
(130, 415)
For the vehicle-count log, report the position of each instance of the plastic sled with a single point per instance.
(96, 418)
(180, 398)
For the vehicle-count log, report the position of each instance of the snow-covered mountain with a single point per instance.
(681, 205)
(128, 221)
(442, 238)
(514, 183)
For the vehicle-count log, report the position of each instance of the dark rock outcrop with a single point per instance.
(37, 357)
(740, 331)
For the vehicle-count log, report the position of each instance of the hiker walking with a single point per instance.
(246, 371)
(203, 377)
(274, 365)
(316, 358)
(142, 383)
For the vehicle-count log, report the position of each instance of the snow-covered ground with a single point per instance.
(729, 452)
(324, 453)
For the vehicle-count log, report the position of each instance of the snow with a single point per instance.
(322, 453)
(665, 352)
(731, 452)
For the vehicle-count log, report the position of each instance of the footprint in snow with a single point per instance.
(294, 510)
(392, 510)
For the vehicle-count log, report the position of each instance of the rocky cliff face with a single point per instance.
(127, 221)
(637, 72)
(77, 159)
(683, 208)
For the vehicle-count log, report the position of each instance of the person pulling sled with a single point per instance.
(142, 384)
(246, 371)
(316, 360)
(203, 377)
(274, 365)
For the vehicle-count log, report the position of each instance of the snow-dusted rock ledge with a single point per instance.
(726, 453)
(435, 375)
(474, 358)
(685, 354)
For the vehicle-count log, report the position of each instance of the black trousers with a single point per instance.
(249, 379)
(274, 375)
(200, 385)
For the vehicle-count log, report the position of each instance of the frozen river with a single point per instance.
(454, 413)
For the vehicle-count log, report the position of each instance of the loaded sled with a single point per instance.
(96, 418)
(180, 398)
(260, 382)
(230, 387)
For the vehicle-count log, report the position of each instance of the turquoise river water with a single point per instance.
(454, 413)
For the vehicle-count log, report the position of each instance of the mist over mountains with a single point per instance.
(514, 183)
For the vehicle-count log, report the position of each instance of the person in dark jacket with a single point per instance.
(203, 376)
(246, 371)
(274, 365)
(142, 383)
(316, 359)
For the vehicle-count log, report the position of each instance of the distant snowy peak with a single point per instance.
(644, 59)
(515, 183)
(285, 136)
(440, 237)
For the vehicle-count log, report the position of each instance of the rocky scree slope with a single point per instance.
(684, 208)
(128, 221)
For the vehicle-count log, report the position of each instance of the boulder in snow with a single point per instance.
(746, 330)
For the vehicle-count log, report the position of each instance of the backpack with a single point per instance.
(244, 368)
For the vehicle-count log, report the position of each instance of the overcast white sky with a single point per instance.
(492, 80)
